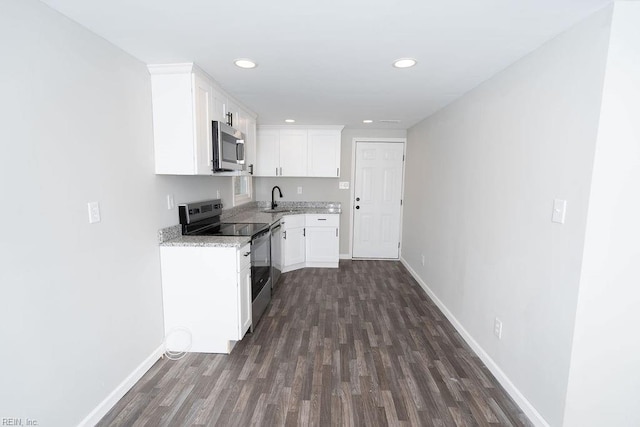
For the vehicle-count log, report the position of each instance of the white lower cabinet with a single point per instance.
(310, 240)
(206, 294)
(293, 242)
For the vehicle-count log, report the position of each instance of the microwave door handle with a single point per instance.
(240, 150)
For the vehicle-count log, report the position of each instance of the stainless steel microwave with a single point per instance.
(228, 148)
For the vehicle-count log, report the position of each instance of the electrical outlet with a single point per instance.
(217, 194)
(170, 202)
(343, 185)
(559, 211)
(423, 260)
(299, 190)
(497, 328)
(94, 212)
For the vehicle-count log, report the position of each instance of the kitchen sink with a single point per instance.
(279, 210)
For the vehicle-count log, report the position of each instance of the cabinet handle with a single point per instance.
(338, 172)
(276, 171)
(304, 232)
(322, 219)
(247, 253)
(284, 234)
(336, 232)
(280, 170)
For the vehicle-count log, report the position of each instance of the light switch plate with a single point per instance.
(170, 202)
(94, 212)
(559, 211)
(343, 185)
(299, 190)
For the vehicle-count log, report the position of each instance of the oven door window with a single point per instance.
(260, 263)
(232, 149)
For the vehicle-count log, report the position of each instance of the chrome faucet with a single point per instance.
(273, 201)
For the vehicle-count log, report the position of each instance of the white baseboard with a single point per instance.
(345, 256)
(126, 385)
(512, 390)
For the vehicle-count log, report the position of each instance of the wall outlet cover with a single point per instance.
(299, 190)
(343, 185)
(559, 211)
(94, 212)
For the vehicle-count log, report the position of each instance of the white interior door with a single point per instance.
(377, 198)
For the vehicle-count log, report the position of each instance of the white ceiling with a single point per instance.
(328, 61)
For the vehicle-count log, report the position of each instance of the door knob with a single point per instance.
(357, 207)
(357, 199)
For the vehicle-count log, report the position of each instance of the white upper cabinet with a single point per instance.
(202, 106)
(185, 101)
(268, 152)
(323, 152)
(219, 106)
(298, 151)
(250, 145)
(293, 152)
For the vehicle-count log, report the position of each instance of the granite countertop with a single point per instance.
(209, 241)
(254, 213)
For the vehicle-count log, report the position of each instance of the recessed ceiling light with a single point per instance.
(367, 121)
(290, 121)
(404, 62)
(245, 63)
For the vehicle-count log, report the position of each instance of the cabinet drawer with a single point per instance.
(324, 220)
(244, 261)
(292, 221)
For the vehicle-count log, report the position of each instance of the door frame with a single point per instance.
(354, 143)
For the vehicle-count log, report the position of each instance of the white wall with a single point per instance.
(81, 304)
(480, 182)
(326, 189)
(604, 379)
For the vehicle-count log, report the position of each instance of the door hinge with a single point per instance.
(403, 157)
(400, 202)
(398, 245)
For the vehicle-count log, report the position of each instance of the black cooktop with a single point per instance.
(231, 229)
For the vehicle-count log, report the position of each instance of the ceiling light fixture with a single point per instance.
(367, 121)
(290, 121)
(245, 63)
(404, 62)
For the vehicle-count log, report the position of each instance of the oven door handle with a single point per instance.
(260, 234)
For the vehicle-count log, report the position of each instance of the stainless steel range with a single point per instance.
(203, 219)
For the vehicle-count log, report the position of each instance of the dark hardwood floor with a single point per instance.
(361, 345)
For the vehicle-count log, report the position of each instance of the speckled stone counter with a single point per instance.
(253, 213)
(209, 241)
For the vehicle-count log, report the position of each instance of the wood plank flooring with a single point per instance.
(361, 345)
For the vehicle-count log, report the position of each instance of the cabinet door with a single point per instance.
(219, 107)
(293, 152)
(244, 301)
(250, 145)
(202, 104)
(268, 152)
(323, 152)
(236, 114)
(293, 247)
(322, 245)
